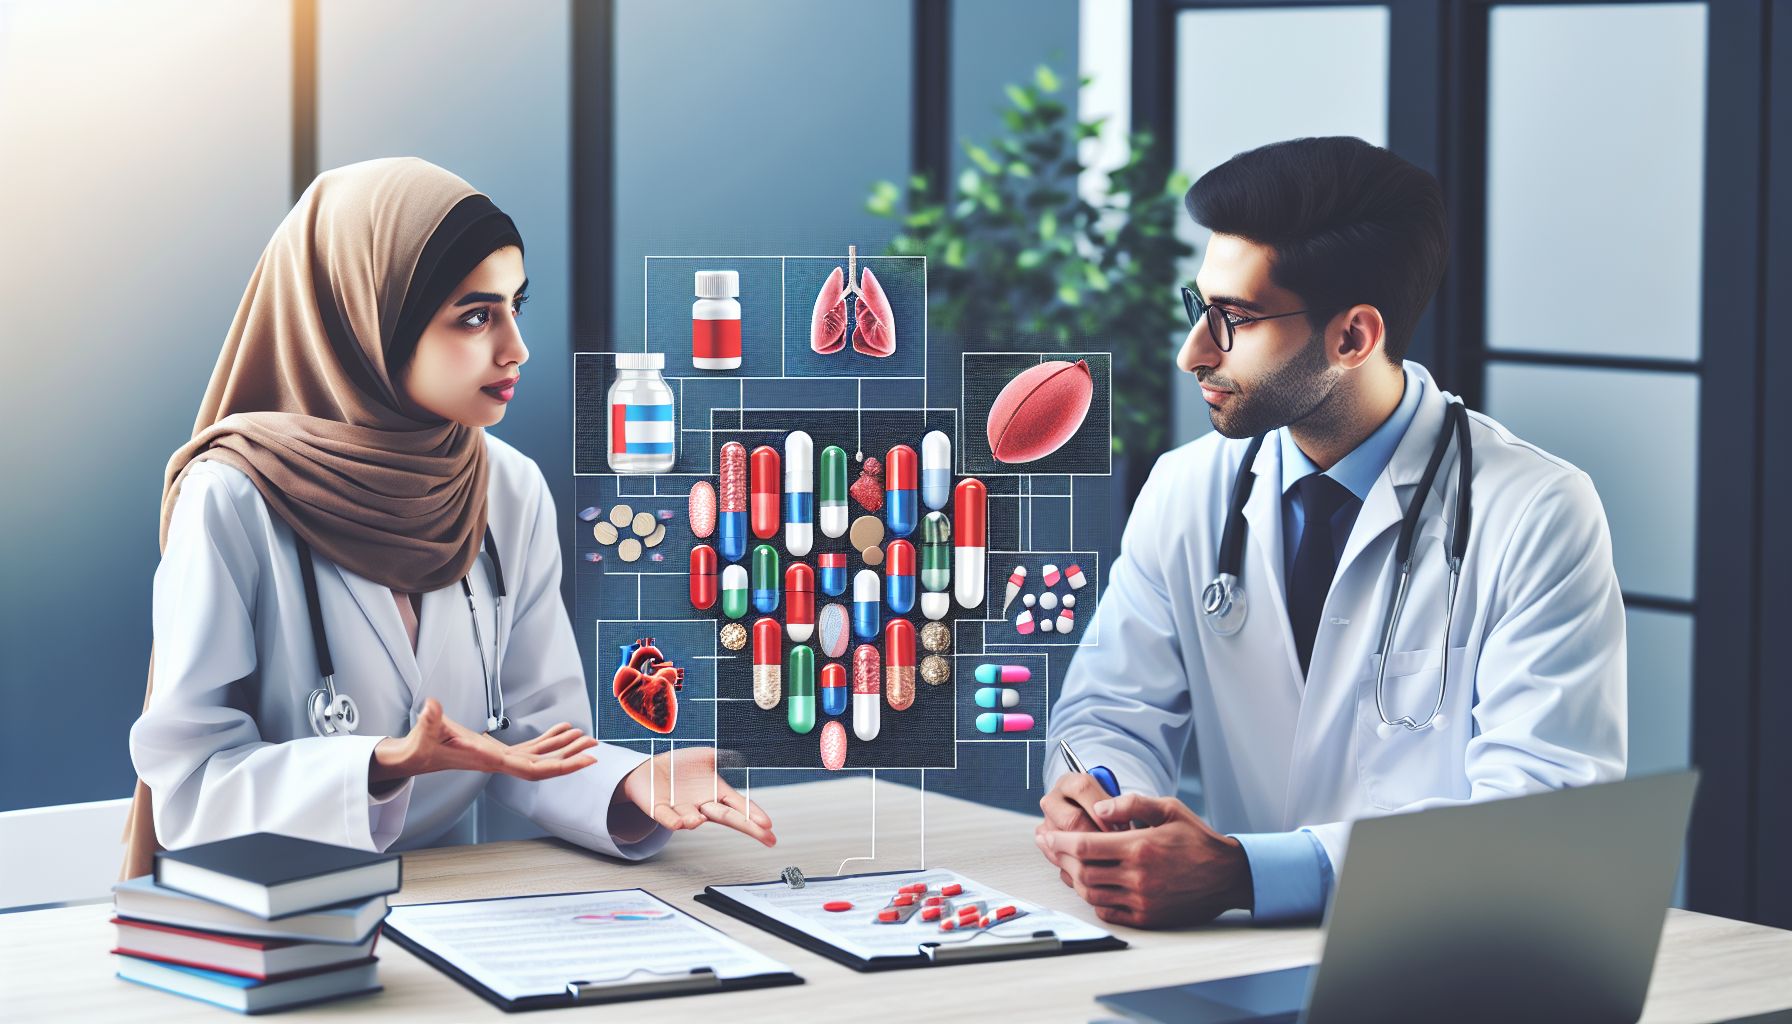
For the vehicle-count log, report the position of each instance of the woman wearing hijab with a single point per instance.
(342, 437)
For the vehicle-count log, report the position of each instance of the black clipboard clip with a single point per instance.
(991, 947)
(656, 983)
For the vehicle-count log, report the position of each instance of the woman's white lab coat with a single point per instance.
(226, 745)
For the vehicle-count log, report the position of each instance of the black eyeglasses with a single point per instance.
(1220, 323)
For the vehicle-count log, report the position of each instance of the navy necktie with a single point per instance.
(1315, 560)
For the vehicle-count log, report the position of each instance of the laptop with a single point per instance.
(1536, 908)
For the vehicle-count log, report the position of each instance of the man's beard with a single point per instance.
(1287, 394)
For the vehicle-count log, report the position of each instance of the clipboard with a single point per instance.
(975, 947)
(631, 987)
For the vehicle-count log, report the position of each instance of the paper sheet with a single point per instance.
(858, 932)
(534, 945)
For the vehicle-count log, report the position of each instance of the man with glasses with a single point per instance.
(1318, 683)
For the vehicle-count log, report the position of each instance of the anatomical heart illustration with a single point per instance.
(872, 325)
(647, 684)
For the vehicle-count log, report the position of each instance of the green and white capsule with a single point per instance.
(800, 709)
(936, 565)
(831, 492)
(734, 591)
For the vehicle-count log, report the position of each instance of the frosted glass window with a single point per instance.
(1636, 434)
(1660, 656)
(1247, 78)
(1595, 178)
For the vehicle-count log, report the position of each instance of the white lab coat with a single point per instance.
(226, 744)
(1536, 697)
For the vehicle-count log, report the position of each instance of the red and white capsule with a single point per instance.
(799, 602)
(970, 504)
(899, 664)
(768, 663)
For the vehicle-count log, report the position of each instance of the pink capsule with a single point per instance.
(732, 502)
(867, 702)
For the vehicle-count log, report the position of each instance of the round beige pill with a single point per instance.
(867, 532)
(629, 550)
(604, 532)
(644, 523)
(653, 539)
(873, 556)
(620, 515)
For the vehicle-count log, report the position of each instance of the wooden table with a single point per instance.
(54, 966)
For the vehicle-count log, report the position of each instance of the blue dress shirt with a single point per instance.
(1290, 872)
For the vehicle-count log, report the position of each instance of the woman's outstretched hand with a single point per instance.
(437, 743)
(681, 789)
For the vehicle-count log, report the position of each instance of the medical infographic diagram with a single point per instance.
(810, 539)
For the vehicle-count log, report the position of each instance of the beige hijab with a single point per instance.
(300, 400)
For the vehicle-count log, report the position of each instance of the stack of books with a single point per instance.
(255, 923)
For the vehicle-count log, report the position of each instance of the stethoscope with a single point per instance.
(1223, 599)
(335, 714)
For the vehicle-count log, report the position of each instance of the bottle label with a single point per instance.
(715, 339)
(641, 428)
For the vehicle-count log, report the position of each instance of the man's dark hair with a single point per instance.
(1348, 222)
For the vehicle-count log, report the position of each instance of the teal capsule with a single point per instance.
(734, 591)
(800, 708)
(997, 697)
(766, 579)
(936, 553)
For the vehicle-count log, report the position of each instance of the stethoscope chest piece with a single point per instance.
(333, 713)
(1223, 605)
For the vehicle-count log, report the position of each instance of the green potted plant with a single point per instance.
(1016, 254)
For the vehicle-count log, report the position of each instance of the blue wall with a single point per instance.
(160, 134)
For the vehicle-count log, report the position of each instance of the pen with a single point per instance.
(1100, 773)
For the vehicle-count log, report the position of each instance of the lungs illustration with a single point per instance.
(827, 326)
(873, 325)
(876, 331)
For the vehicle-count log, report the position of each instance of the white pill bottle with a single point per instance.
(643, 428)
(715, 321)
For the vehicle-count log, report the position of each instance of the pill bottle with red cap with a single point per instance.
(715, 321)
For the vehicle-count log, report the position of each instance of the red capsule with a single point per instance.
(799, 601)
(703, 577)
(899, 664)
(767, 494)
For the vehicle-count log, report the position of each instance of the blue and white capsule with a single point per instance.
(936, 469)
(799, 493)
(866, 593)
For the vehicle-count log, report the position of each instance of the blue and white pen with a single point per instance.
(1102, 775)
